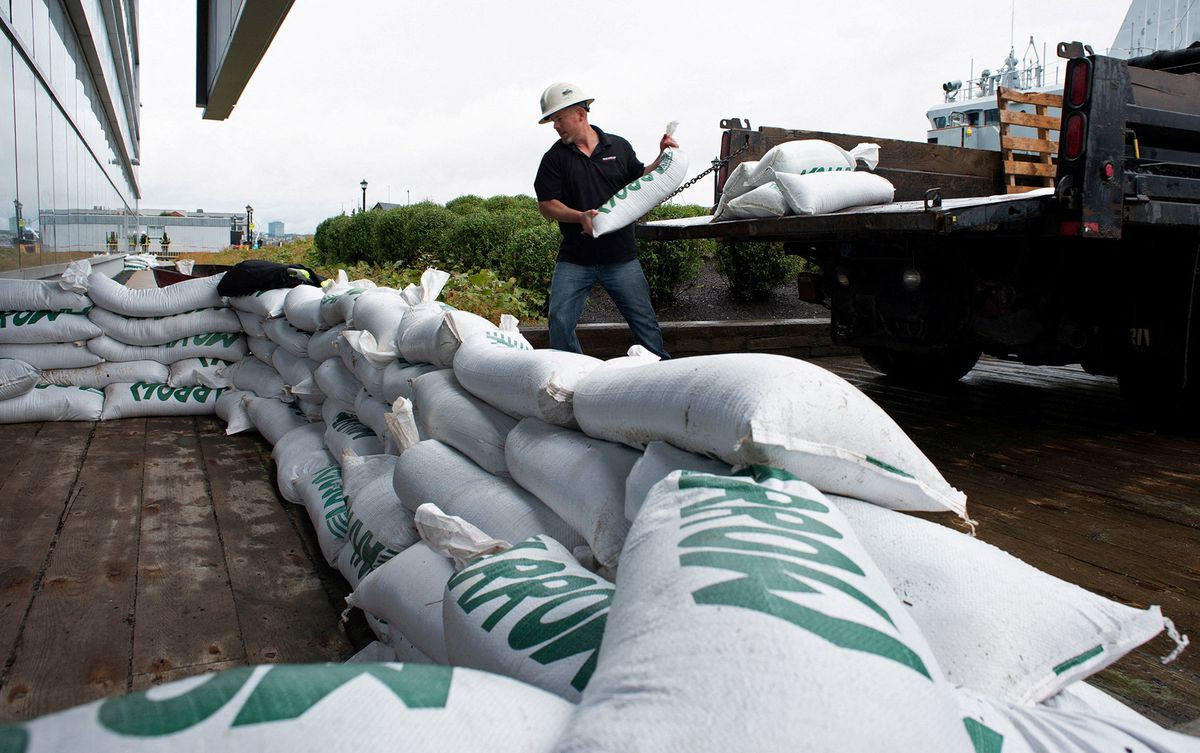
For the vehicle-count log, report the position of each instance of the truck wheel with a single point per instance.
(936, 369)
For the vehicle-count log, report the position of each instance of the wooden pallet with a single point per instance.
(1036, 167)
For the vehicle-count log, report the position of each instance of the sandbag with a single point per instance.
(811, 156)
(226, 346)
(51, 402)
(754, 408)
(47, 356)
(996, 624)
(396, 380)
(738, 181)
(434, 472)
(345, 432)
(191, 372)
(324, 499)
(252, 324)
(311, 707)
(749, 618)
(292, 369)
(252, 375)
(103, 374)
(231, 409)
(636, 200)
(156, 330)
(42, 295)
(337, 304)
(16, 378)
(532, 613)
(373, 412)
(283, 334)
(189, 295)
(265, 303)
(379, 311)
(262, 348)
(302, 308)
(272, 418)
(31, 327)
(503, 369)
(144, 399)
(655, 464)
(298, 453)
(336, 381)
(763, 202)
(379, 527)
(406, 592)
(446, 412)
(323, 345)
(580, 478)
(435, 339)
(821, 193)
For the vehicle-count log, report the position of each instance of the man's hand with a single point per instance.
(666, 142)
(585, 219)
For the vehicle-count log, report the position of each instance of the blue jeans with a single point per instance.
(624, 281)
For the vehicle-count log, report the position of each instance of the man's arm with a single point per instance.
(559, 212)
(666, 141)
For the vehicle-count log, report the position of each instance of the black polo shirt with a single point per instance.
(583, 182)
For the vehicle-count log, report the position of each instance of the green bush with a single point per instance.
(505, 203)
(466, 204)
(390, 231)
(427, 235)
(358, 240)
(754, 270)
(479, 239)
(670, 264)
(528, 257)
(329, 239)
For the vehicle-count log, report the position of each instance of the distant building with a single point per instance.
(275, 229)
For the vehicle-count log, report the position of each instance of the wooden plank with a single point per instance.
(1165, 91)
(1032, 120)
(1021, 143)
(1022, 189)
(1013, 167)
(18, 440)
(150, 679)
(282, 608)
(1005, 94)
(76, 643)
(185, 614)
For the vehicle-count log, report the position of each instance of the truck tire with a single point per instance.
(938, 368)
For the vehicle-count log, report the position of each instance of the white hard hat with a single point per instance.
(561, 95)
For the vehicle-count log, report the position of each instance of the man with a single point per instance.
(583, 169)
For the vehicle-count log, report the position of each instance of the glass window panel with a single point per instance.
(8, 159)
(22, 20)
(25, 109)
(45, 151)
(70, 148)
(59, 74)
(62, 194)
(41, 33)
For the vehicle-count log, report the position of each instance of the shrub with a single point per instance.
(427, 234)
(505, 203)
(390, 231)
(479, 239)
(358, 240)
(466, 204)
(329, 240)
(670, 264)
(528, 257)
(754, 270)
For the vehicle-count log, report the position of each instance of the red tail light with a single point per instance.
(1079, 82)
(1074, 131)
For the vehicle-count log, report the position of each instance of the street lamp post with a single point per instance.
(364, 188)
(249, 226)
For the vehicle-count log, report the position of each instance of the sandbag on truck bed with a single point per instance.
(179, 298)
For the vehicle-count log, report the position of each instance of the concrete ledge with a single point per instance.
(799, 338)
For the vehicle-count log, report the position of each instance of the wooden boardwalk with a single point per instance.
(145, 550)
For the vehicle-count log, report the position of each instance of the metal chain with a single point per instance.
(717, 165)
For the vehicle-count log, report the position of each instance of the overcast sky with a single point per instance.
(438, 99)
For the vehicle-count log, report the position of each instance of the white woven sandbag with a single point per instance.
(738, 181)
(51, 402)
(366, 372)
(52, 355)
(272, 418)
(312, 411)
(1082, 697)
(302, 308)
(811, 156)
(373, 412)
(226, 346)
(996, 624)
(17, 378)
(496, 616)
(378, 526)
(763, 202)
(655, 464)
(996, 725)
(337, 304)
(231, 408)
(396, 380)
(379, 311)
(580, 478)
(821, 193)
(312, 707)
(636, 200)
(283, 334)
(336, 381)
(262, 349)
(446, 412)
(252, 375)
(32, 327)
(292, 369)
(179, 298)
(103, 374)
(345, 432)
(435, 340)
(748, 618)
(252, 324)
(431, 471)
(156, 330)
(143, 399)
(42, 295)
(298, 453)
(503, 369)
(323, 345)
(406, 592)
(753, 408)
(265, 303)
(191, 372)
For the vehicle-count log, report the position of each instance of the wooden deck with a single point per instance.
(145, 550)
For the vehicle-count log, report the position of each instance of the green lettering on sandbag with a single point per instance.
(500, 338)
(165, 392)
(1076, 661)
(576, 633)
(13, 739)
(183, 394)
(287, 692)
(137, 715)
(983, 738)
(889, 468)
(539, 579)
(348, 423)
(366, 549)
(201, 394)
